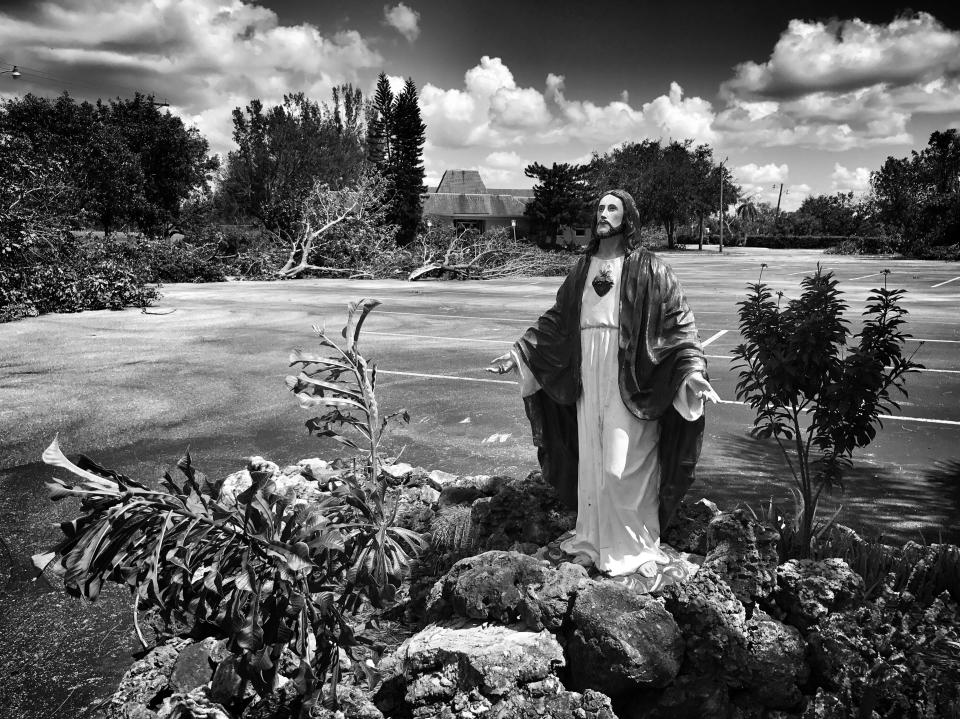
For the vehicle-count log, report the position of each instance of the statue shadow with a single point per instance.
(894, 502)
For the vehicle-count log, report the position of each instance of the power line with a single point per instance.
(42, 75)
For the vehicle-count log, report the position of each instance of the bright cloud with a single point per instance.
(856, 180)
(761, 183)
(849, 54)
(506, 160)
(403, 19)
(492, 111)
(205, 58)
(844, 84)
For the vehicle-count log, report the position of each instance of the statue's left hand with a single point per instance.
(702, 389)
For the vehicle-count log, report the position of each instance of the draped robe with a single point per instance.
(658, 350)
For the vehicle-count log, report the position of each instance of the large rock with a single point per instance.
(687, 531)
(464, 490)
(713, 623)
(456, 670)
(743, 552)
(522, 512)
(145, 683)
(688, 697)
(621, 641)
(775, 665)
(809, 590)
(507, 588)
(194, 666)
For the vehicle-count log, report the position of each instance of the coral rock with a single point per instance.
(687, 531)
(621, 641)
(713, 623)
(744, 553)
(507, 587)
(775, 661)
(807, 590)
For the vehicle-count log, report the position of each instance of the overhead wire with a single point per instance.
(31, 72)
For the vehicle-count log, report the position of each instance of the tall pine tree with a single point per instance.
(380, 124)
(405, 163)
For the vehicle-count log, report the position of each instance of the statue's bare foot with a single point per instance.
(647, 569)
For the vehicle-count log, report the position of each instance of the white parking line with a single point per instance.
(941, 284)
(444, 376)
(435, 337)
(453, 317)
(924, 420)
(718, 335)
(863, 277)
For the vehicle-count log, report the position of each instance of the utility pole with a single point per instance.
(721, 203)
(776, 215)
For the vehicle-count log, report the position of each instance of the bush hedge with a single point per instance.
(71, 275)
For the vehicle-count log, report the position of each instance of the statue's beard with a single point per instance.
(605, 230)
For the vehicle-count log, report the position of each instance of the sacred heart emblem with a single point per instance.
(602, 282)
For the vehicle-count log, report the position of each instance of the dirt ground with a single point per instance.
(204, 369)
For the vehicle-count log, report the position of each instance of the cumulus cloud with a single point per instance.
(506, 160)
(847, 54)
(205, 58)
(405, 20)
(844, 84)
(856, 180)
(492, 110)
(761, 182)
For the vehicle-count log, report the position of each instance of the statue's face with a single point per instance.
(609, 215)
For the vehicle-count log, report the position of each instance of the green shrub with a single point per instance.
(809, 389)
(70, 276)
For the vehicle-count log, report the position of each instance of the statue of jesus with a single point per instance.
(614, 381)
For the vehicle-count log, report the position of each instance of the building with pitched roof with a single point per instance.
(463, 200)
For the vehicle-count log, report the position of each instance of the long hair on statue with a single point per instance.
(630, 226)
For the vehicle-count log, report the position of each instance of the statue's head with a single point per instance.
(616, 214)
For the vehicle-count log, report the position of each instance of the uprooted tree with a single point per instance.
(342, 231)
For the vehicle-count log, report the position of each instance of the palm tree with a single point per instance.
(748, 213)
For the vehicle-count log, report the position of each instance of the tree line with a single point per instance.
(673, 184)
(913, 205)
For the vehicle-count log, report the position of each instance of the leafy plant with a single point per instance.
(816, 397)
(260, 570)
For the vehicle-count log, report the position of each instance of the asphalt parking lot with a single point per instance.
(205, 370)
(134, 389)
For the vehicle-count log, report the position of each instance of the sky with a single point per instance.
(813, 95)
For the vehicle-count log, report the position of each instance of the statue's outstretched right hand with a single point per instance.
(502, 364)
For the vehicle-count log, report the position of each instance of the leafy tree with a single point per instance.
(810, 389)
(671, 183)
(284, 150)
(827, 215)
(173, 159)
(561, 198)
(919, 197)
(127, 161)
(404, 167)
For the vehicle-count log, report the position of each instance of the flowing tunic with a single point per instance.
(618, 460)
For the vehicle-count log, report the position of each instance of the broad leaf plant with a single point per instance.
(817, 396)
(262, 571)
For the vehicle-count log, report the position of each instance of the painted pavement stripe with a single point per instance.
(941, 284)
(863, 277)
(445, 376)
(435, 337)
(717, 336)
(924, 420)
